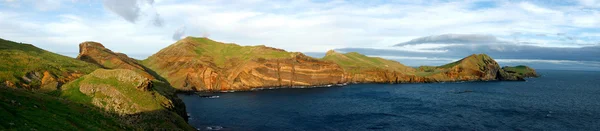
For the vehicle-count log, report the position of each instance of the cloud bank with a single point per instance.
(130, 10)
(548, 30)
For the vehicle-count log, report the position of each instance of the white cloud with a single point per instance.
(590, 3)
(588, 63)
(299, 25)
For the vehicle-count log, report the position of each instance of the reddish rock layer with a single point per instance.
(96, 53)
(186, 70)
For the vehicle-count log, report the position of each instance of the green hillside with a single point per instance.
(521, 70)
(221, 53)
(19, 59)
(26, 110)
(355, 62)
(126, 92)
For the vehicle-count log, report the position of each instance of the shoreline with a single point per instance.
(333, 86)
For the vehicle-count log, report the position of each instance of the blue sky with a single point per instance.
(547, 33)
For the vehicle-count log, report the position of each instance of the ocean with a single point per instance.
(558, 100)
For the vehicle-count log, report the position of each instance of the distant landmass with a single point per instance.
(122, 93)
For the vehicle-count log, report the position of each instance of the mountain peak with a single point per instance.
(84, 46)
(96, 53)
(331, 52)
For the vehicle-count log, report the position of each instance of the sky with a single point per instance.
(545, 34)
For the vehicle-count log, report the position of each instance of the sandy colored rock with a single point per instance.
(96, 53)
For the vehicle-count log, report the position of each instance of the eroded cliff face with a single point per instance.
(96, 53)
(186, 68)
(45, 81)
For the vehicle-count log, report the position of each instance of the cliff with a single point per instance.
(96, 53)
(359, 68)
(26, 66)
(201, 64)
(476, 67)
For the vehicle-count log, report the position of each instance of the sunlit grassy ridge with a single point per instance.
(19, 59)
(472, 61)
(25, 110)
(355, 62)
(222, 52)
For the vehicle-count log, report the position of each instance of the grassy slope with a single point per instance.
(204, 51)
(221, 52)
(472, 61)
(128, 89)
(18, 59)
(44, 112)
(521, 69)
(148, 100)
(355, 62)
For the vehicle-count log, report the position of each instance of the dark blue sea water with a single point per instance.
(559, 100)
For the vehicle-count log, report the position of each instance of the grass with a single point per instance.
(18, 59)
(429, 70)
(152, 113)
(71, 92)
(37, 111)
(222, 52)
(355, 63)
(146, 99)
(520, 69)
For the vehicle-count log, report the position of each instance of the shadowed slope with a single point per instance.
(26, 110)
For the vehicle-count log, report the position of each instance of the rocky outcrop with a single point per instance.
(476, 67)
(189, 69)
(112, 90)
(96, 53)
(521, 71)
(126, 93)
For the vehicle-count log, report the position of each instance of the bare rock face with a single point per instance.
(45, 81)
(96, 53)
